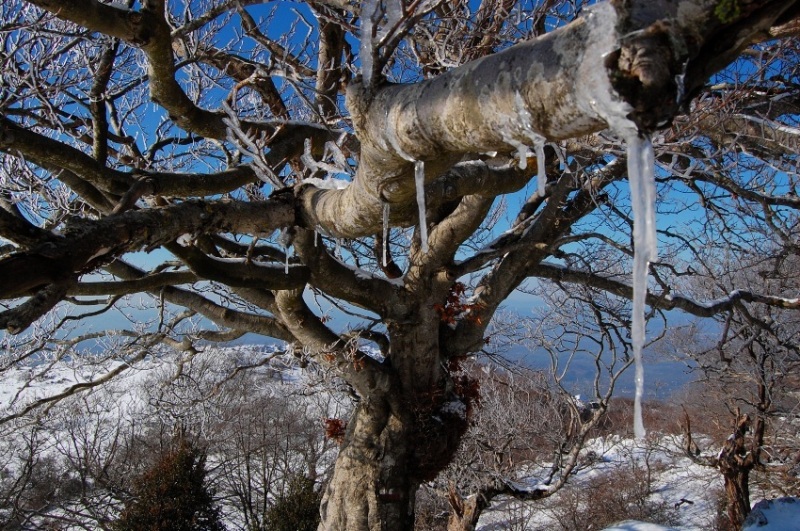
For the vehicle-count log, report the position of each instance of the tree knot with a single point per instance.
(645, 71)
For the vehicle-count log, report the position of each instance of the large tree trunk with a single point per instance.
(372, 488)
(396, 440)
(465, 512)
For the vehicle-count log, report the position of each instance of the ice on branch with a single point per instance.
(327, 184)
(600, 98)
(419, 180)
(541, 173)
(370, 10)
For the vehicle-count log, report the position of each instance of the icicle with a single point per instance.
(338, 250)
(419, 180)
(368, 10)
(641, 177)
(316, 238)
(385, 234)
(541, 175)
(394, 13)
(522, 155)
(285, 240)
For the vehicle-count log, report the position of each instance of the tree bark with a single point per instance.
(735, 463)
(399, 436)
(372, 488)
(737, 492)
(465, 512)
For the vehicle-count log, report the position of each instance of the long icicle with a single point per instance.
(641, 178)
(419, 180)
(541, 172)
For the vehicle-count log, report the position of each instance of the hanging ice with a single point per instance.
(369, 9)
(598, 96)
(641, 177)
(394, 13)
(385, 234)
(419, 180)
(541, 174)
(285, 240)
(522, 153)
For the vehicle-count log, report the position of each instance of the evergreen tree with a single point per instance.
(297, 509)
(172, 495)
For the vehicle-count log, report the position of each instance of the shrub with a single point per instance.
(297, 509)
(619, 494)
(172, 495)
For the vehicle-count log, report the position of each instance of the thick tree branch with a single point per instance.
(151, 283)
(242, 273)
(367, 376)
(342, 281)
(552, 88)
(663, 302)
(222, 316)
(89, 244)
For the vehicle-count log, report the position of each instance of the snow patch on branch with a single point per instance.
(327, 184)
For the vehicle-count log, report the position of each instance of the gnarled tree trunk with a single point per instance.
(735, 463)
(397, 438)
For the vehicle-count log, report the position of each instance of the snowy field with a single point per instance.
(686, 490)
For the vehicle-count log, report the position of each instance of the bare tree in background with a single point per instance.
(533, 422)
(751, 370)
(75, 465)
(234, 142)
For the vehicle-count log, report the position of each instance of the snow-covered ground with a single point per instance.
(675, 483)
(685, 490)
(782, 514)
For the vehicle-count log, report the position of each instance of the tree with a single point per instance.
(529, 418)
(74, 463)
(297, 509)
(750, 369)
(172, 494)
(200, 131)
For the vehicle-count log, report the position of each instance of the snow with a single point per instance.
(419, 181)
(328, 184)
(782, 514)
(633, 525)
(676, 481)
